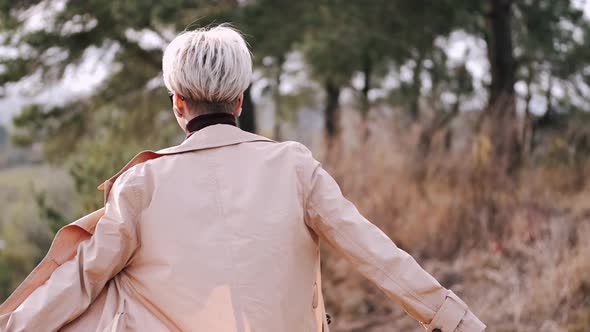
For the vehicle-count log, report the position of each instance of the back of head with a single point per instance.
(210, 67)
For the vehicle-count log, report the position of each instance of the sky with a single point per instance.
(80, 81)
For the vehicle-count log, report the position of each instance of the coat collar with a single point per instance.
(214, 136)
(208, 119)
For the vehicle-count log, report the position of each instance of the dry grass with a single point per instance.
(515, 248)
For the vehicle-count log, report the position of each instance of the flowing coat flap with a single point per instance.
(65, 244)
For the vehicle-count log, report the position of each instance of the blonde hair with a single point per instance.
(209, 66)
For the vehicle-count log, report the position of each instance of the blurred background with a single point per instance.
(459, 127)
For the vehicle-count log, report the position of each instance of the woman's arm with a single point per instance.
(336, 220)
(74, 285)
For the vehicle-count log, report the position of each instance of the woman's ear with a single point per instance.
(179, 107)
(238, 109)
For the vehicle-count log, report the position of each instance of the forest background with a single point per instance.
(459, 127)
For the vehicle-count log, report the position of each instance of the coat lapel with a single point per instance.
(67, 239)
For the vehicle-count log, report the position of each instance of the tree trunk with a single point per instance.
(527, 126)
(501, 49)
(277, 98)
(416, 87)
(331, 112)
(367, 72)
(547, 117)
(502, 128)
(365, 105)
(248, 116)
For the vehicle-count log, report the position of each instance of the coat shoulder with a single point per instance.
(296, 148)
(136, 182)
(303, 154)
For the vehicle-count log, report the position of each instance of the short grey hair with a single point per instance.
(211, 67)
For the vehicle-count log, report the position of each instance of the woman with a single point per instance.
(222, 232)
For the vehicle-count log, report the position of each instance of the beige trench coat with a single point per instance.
(219, 233)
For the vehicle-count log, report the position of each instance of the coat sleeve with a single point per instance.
(337, 221)
(74, 285)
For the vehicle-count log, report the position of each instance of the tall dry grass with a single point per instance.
(515, 248)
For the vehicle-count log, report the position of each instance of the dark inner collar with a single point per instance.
(205, 120)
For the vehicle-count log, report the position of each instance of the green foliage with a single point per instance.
(48, 213)
(552, 39)
(85, 135)
(259, 21)
(29, 198)
(3, 136)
